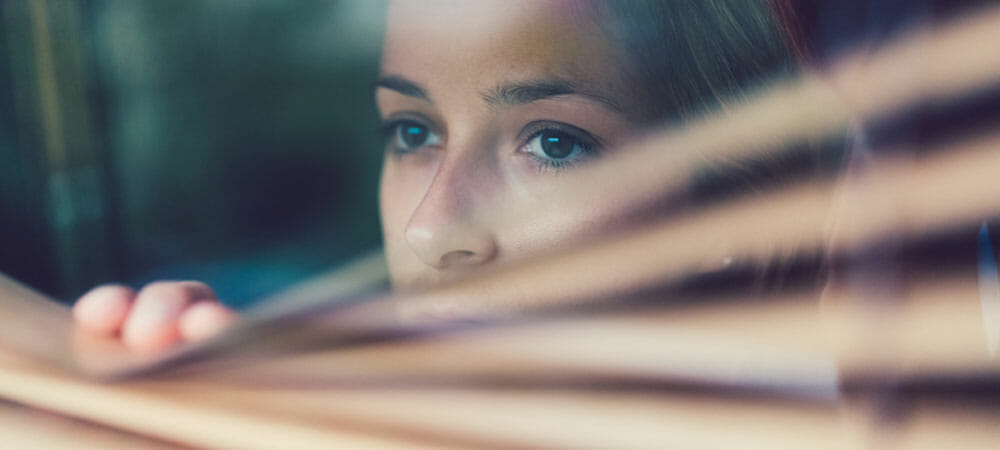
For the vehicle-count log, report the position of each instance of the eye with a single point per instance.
(405, 136)
(556, 148)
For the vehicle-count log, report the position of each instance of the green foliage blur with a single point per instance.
(231, 142)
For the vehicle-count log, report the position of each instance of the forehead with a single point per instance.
(486, 42)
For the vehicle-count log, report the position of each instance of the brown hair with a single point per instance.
(693, 56)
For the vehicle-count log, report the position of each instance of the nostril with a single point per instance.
(459, 258)
(447, 241)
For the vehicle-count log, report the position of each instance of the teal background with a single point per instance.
(232, 142)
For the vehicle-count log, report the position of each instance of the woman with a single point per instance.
(484, 105)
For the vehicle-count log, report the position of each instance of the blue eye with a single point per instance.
(554, 148)
(557, 145)
(407, 135)
(413, 135)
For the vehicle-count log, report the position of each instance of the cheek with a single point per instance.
(548, 212)
(390, 201)
(400, 192)
(560, 228)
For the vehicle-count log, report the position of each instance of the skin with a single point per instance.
(161, 315)
(440, 200)
(468, 92)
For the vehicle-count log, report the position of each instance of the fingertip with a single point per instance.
(152, 324)
(150, 331)
(150, 340)
(103, 309)
(197, 290)
(204, 320)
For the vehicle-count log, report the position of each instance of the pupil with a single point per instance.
(557, 145)
(414, 135)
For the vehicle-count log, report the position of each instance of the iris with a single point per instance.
(413, 135)
(556, 144)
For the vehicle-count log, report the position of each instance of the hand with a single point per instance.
(161, 315)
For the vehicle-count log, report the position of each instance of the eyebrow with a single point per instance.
(511, 94)
(520, 93)
(402, 86)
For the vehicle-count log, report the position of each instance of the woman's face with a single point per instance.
(485, 106)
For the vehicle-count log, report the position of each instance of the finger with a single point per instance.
(103, 309)
(152, 324)
(205, 319)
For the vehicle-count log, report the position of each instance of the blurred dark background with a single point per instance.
(231, 142)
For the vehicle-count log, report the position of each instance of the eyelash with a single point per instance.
(388, 131)
(589, 145)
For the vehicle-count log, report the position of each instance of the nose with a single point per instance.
(446, 230)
